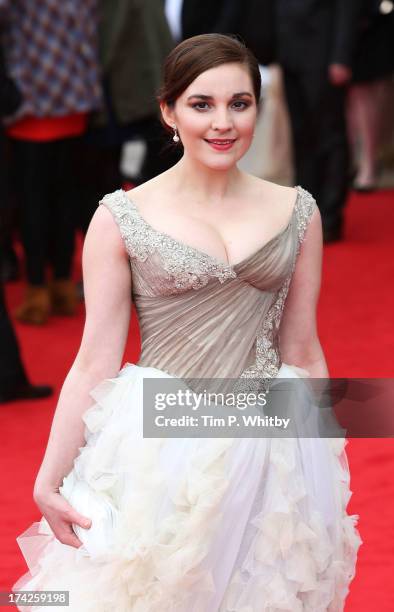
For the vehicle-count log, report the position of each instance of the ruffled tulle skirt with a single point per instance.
(197, 524)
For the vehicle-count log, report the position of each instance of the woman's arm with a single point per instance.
(107, 288)
(299, 341)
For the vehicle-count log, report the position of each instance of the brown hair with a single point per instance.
(195, 55)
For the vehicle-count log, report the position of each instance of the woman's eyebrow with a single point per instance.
(205, 97)
(243, 93)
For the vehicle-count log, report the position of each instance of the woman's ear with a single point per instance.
(167, 114)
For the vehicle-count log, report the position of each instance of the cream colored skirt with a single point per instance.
(197, 524)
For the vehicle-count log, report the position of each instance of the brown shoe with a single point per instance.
(36, 307)
(64, 297)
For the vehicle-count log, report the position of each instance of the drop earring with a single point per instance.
(175, 137)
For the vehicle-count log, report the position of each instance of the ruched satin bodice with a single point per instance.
(198, 316)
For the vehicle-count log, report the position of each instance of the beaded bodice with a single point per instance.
(199, 316)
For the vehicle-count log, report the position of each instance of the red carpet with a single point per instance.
(355, 321)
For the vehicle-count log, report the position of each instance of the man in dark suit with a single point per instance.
(14, 384)
(203, 17)
(314, 46)
(252, 20)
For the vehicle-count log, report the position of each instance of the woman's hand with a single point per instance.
(339, 74)
(60, 516)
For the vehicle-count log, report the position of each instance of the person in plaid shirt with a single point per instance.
(51, 54)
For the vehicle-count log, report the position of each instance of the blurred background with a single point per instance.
(78, 82)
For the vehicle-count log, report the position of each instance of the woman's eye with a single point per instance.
(243, 104)
(237, 105)
(199, 104)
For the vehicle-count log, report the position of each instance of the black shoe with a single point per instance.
(25, 391)
(366, 188)
(9, 270)
(332, 234)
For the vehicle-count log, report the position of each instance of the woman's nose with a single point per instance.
(222, 120)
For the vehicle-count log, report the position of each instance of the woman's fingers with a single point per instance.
(72, 516)
(67, 536)
(61, 516)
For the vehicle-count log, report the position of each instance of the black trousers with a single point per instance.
(12, 372)
(47, 194)
(321, 152)
(8, 206)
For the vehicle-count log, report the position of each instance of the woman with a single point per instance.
(373, 66)
(195, 524)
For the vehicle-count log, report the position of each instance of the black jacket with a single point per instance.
(204, 16)
(311, 34)
(10, 97)
(252, 20)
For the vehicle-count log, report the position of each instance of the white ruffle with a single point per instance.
(197, 525)
(297, 559)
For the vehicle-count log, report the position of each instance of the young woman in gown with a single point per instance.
(224, 270)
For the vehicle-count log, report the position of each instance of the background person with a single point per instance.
(314, 45)
(51, 54)
(369, 94)
(14, 383)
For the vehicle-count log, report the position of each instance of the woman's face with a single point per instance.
(216, 116)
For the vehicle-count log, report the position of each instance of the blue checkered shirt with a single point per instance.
(51, 51)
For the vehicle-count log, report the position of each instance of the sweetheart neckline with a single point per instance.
(219, 262)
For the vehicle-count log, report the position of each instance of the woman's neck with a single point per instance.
(205, 184)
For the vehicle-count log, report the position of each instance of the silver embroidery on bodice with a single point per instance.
(186, 265)
(268, 361)
(189, 268)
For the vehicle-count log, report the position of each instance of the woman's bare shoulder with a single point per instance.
(104, 232)
(267, 192)
(148, 191)
(268, 187)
